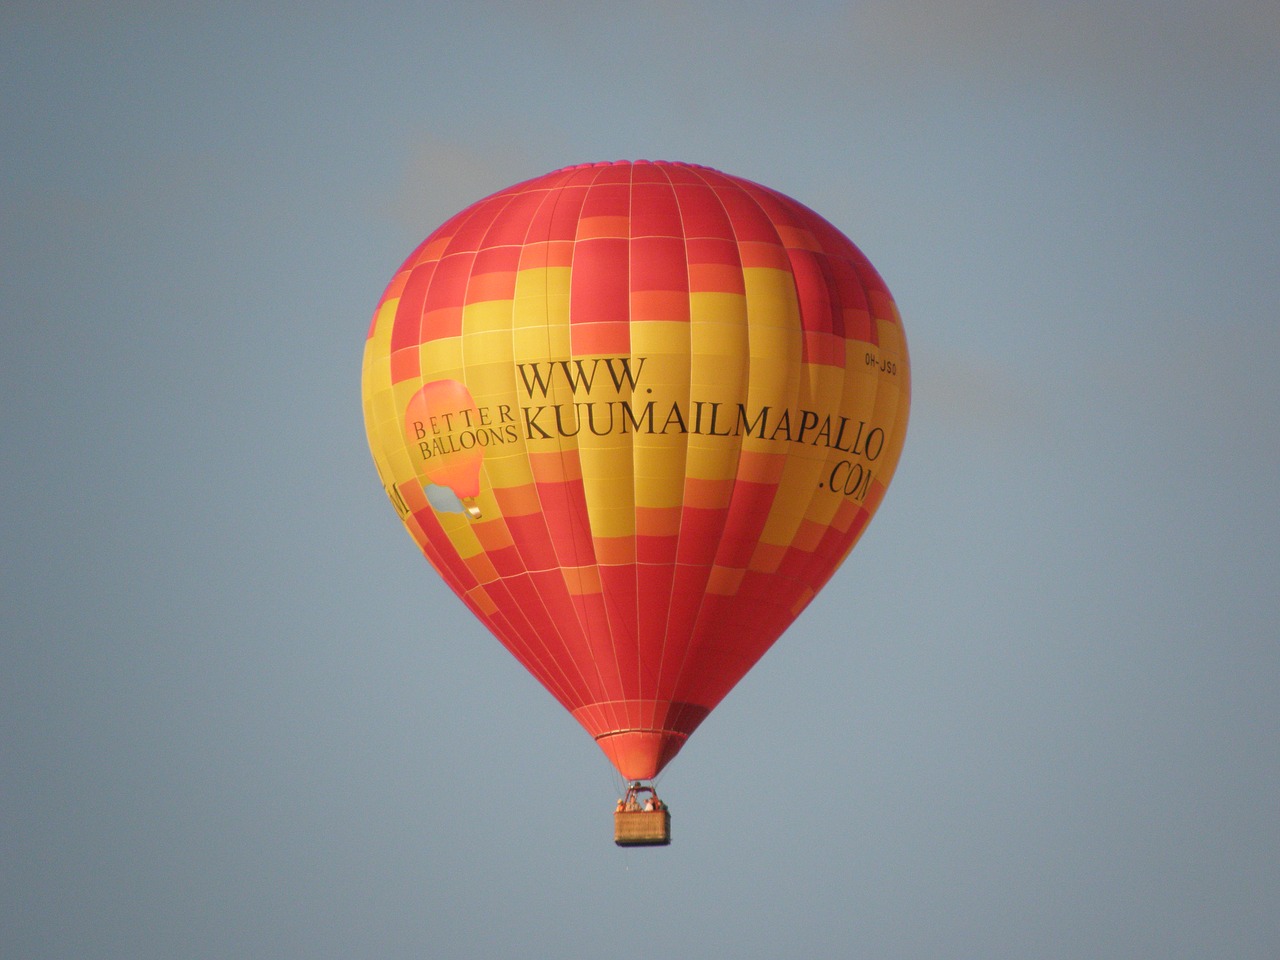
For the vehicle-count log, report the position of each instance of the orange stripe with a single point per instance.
(844, 515)
(615, 549)
(756, 253)
(857, 324)
(411, 493)
(445, 322)
(480, 597)
(756, 467)
(809, 535)
(594, 228)
(767, 557)
(824, 348)
(882, 306)
(556, 467)
(707, 494)
(872, 500)
(715, 278)
(657, 521)
(404, 364)
(433, 250)
(581, 580)
(546, 253)
(659, 305)
(396, 286)
(482, 568)
(500, 285)
(724, 581)
(802, 601)
(492, 534)
(798, 237)
(600, 338)
(518, 501)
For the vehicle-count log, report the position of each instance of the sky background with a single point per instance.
(1037, 713)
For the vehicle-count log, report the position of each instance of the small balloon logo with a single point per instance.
(439, 425)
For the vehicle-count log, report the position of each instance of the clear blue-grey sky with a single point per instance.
(1037, 715)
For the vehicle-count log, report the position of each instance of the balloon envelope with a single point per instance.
(676, 398)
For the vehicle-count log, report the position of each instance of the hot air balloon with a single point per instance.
(635, 415)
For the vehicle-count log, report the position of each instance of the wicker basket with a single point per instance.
(642, 828)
